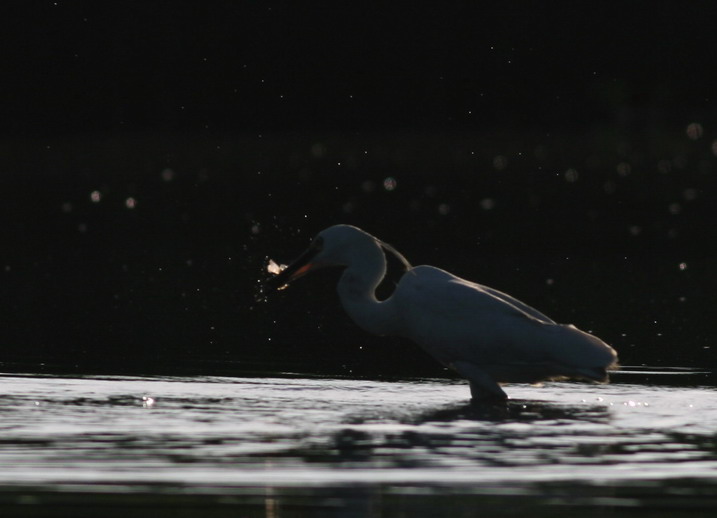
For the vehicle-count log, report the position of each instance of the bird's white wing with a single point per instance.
(453, 318)
(516, 303)
(440, 292)
(456, 320)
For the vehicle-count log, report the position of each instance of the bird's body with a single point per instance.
(483, 334)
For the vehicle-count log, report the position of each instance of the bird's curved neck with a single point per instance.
(357, 291)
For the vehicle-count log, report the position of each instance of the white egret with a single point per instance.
(486, 336)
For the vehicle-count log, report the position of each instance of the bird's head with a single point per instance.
(326, 249)
(335, 246)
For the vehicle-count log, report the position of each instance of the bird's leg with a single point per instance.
(483, 387)
(480, 394)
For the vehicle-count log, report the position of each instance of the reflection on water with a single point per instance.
(412, 447)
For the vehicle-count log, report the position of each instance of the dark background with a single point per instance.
(154, 155)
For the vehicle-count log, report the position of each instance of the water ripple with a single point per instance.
(288, 431)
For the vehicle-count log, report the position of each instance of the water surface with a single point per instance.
(278, 445)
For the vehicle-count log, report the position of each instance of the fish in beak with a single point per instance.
(298, 268)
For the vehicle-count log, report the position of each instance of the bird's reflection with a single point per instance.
(478, 433)
(512, 410)
(516, 410)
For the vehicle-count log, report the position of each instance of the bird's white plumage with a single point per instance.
(485, 335)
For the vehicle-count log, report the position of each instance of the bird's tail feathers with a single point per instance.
(586, 353)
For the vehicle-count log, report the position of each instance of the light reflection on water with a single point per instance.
(221, 435)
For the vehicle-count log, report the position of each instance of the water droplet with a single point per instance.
(95, 196)
(130, 203)
(682, 266)
(571, 175)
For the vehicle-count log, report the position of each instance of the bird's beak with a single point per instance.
(298, 268)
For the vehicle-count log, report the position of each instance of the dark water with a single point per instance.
(289, 446)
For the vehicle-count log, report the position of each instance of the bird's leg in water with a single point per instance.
(480, 395)
(483, 387)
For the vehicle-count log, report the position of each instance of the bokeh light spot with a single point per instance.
(500, 162)
(167, 175)
(390, 183)
(689, 194)
(664, 166)
(318, 150)
(694, 130)
(540, 152)
(487, 204)
(624, 169)
(571, 175)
